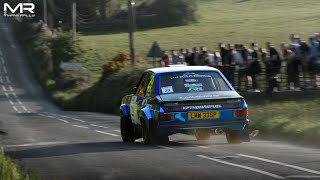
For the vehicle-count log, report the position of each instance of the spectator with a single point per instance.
(223, 54)
(304, 49)
(176, 58)
(195, 56)
(254, 67)
(313, 59)
(165, 60)
(203, 57)
(239, 60)
(189, 58)
(183, 54)
(228, 68)
(273, 66)
(288, 57)
(213, 60)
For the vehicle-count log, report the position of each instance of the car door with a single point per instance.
(138, 98)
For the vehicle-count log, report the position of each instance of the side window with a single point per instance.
(141, 90)
(151, 87)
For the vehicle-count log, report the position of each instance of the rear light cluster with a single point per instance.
(165, 117)
(241, 113)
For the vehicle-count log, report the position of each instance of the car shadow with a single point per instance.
(94, 147)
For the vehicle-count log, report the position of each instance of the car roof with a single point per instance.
(181, 69)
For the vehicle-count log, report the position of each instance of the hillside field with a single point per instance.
(227, 21)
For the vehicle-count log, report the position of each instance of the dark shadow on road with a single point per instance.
(95, 147)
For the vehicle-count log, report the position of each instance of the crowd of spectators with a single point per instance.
(241, 64)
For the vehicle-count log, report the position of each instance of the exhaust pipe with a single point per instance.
(218, 131)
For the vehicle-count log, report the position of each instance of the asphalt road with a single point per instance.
(74, 145)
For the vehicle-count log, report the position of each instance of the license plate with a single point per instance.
(203, 115)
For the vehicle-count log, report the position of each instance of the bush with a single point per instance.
(64, 48)
(105, 96)
(168, 13)
(120, 61)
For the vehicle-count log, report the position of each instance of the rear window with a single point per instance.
(191, 82)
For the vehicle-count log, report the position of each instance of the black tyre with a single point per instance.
(127, 130)
(233, 137)
(202, 135)
(145, 134)
(162, 140)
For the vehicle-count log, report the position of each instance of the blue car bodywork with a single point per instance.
(161, 110)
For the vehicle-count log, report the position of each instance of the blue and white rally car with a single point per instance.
(194, 100)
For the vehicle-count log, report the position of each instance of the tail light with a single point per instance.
(241, 113)
(165, 117)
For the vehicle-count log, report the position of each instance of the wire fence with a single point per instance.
(306, 80)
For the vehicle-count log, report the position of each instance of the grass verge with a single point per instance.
(290, 120)
(11, 171)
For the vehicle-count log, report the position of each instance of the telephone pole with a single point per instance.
(132, 24)
(74, 19)
(45, 12)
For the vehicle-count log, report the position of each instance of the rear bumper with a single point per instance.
(204, 124)
(169, 129)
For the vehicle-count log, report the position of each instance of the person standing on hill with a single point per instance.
(273, 67)
(254, 67)
(313, 56)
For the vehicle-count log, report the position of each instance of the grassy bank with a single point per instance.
(11, 171)
(295, 120)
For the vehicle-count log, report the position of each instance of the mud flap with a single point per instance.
(244, 136)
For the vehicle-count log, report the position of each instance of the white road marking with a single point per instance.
(1, 80)
(64, 116)
(19, 102)
(75, 119)
(117, 131)
(243, 167)
(11, 89)
(13, 46)
(4, 88)
(24, 108)
(15, 95)
(106, 133)
(203, 147)
(11, 102)
(303, 177)
(8, 79)
(7, 95)
(51, 117)
(99, 126)
(41, 115)
(281, 164)
(5, 70)
(37, 144)
(163, 147)
(85, 127)
(2, 60)
(16, 109)
(63, 120)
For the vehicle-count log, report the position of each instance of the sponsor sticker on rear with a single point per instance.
(167, 90)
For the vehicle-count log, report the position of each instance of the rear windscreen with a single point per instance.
(190, 82)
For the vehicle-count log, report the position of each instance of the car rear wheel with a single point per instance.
(145, 134)
(127, 130)
(202, 135)
(233, 137)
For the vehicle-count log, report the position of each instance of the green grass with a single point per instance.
(295, 120)
(10, 171)
(228, 21)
